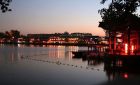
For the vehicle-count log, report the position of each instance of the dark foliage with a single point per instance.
(4, 5)
(120, 15)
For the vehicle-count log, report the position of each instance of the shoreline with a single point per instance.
(57, 44)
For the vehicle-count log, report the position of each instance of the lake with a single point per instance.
(55, 65)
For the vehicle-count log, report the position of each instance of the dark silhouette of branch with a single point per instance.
(120, 15)
(103, 1)
(4, 5)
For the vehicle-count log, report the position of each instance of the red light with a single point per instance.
(126, 48)
(126, 75)
(132, 48)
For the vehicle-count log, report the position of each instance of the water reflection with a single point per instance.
(12, 54)
(9, 54)
(117, 71)
(35, 71)
(60, 51)
(94, 62)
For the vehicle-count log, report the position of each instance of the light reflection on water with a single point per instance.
(19, 71)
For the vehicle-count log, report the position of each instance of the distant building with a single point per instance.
(81, 34)
(73, 40)
(63, 38)
(56, 40)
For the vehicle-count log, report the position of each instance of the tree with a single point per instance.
(15, 34)
(103, 1)
(119, 17)
(118, 13)
(2, 35)
(4, 4)
(8, 35)
(66, 33)
(124, 5)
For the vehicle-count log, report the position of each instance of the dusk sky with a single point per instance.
(53, 16)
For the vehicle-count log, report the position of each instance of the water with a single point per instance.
(54, 65)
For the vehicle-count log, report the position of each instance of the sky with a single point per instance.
(53, 16)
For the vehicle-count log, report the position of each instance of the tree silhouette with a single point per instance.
(15, 34)
(2, 35)
(120, 17)
(120, 13)
(8, 35)
(103, 1)
(4, 4)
